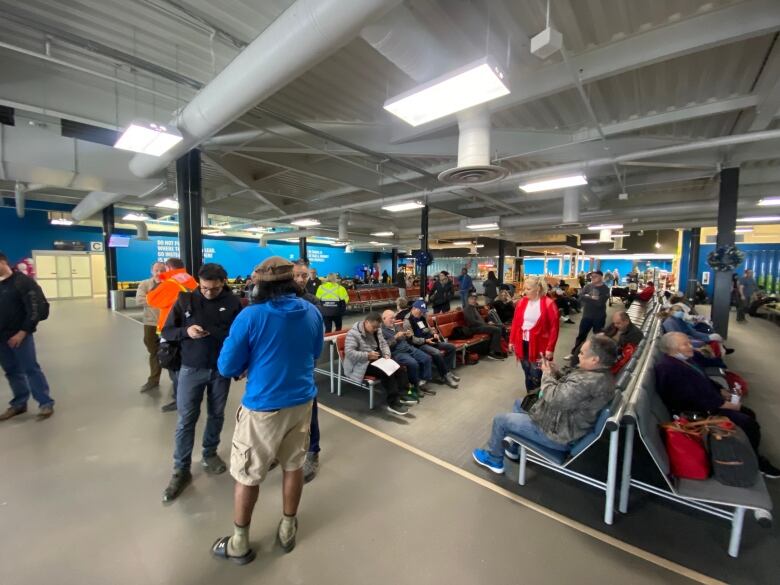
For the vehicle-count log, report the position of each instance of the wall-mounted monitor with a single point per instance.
(117, 241)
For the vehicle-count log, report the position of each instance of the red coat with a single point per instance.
(543, 336)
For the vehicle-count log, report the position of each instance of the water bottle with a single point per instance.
(736, 393)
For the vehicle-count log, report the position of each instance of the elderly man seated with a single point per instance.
(677, 321)
(567, 409)
(684, 387)
(429, 341)
(477, 324)
(622, 331)
(417, 363)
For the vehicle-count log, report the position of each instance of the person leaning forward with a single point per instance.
(277, 342)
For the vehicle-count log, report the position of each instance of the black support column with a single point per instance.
(693, 264)
(423, 248)
(108, 229)
(188, 188)
(303, 251)
(501, 253)
(727, 222)
(394, 270)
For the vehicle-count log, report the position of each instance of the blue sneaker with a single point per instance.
(485, 459)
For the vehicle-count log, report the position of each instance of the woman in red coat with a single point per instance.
(534, 330)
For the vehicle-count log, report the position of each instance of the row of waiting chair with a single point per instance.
(366, 299)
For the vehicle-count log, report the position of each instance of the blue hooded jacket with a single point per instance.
(278, 342)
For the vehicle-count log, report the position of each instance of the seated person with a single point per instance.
(427, 340)
(684, 387)
(417, 362)
(402, 307)
(643, 296)
(564, 303)
(677, 322)
(626, 335)
(504, 307)
(568, 407)
(365, 344)
(477, 324)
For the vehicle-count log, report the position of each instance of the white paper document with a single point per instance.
(386, 365)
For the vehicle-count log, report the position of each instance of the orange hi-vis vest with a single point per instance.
(164, 296)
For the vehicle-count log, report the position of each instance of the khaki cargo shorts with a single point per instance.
(262, 437)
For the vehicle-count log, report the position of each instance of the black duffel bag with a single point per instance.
(169, 355)
(733, 459)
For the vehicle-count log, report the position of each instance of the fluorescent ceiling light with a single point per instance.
(148, 138)
(769, 202)
(61, 221)
(765, 219)
(405, 206)
(550, 184)
(136, 217)
(291, 240)
(475, 83)
(483, 226)
(620, 236)
(743, 230)
(382, 234)
(305, 222)
(590, 241)
(606, 226)
(218, 233)
(168, 204)
(257, 228)
(379, 243)
(463, 243)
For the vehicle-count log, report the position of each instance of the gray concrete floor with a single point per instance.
(80, 495)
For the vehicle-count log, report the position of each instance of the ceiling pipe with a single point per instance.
(445, 193)
(302, 36)
(19, 191)
(343, 220)
(95, 201)
(571, 206)
(142, 230)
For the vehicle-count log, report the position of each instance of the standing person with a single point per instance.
(200, 321)
(593, 298)
(314, 282)
(747, 287)
(466, 284)
(400, 282)
(150, 318)
(22, 307)
(277, 342)
(312, 464)
(334, 298)
(427, 340)
(441, 294)
(172, 282)
(491, 286)
(534, 330)
(477, 324)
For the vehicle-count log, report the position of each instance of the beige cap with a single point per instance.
(274, 269)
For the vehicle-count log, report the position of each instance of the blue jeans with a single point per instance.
(533, 374)
(24, 374)
(417, 363)
(464, 298)
(518, 423)
(314, 430)
(444, 363)
(174, 376)
(193, 382)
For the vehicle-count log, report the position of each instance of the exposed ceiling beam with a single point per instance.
(730, 24)
(233, 173)
(768, 90)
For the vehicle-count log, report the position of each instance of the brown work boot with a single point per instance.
(45, 412)
(12, 412)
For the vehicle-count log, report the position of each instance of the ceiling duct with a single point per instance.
(617, 245)
(605, 236)
(19, 191)
(474, 166)
(343, 220)
(571, 210)
(142, 230)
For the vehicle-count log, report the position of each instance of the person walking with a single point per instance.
(400, 282)
(200, 321)
(466, 284)
(534, 330)
(441, 294)
(150, 318)
(593, 298)
(22, 307)
(334, 298)
(277, 342)
(746, 287)
(172, 282)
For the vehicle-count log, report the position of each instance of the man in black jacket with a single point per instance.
(200, 322)
(622, 331)
(21, 304)
(477, 324)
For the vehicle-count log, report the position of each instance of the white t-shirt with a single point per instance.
(533, 310)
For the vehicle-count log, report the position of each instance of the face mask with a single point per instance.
(680, 356)
(679, 314)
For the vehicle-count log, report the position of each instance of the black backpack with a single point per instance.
(169, 352)
(40, 306)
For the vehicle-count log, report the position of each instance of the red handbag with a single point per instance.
(685, 446)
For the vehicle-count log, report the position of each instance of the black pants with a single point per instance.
(564, 305)
(588, 324)
(441, 308)
(392, 384)
(745, 419)
(331, 321)
(495, 336)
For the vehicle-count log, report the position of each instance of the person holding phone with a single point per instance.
(200, 321)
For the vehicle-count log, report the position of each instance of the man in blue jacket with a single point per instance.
(276, 342)
(466, 284)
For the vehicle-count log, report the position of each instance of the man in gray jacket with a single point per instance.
(567, 409)
(151, 316)
(365, 344)
(477, 324)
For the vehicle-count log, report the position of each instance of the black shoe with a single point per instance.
(398, 408)
(170, 407)
(407, 400)
(180, 480)
(149, 386)
(767, 469)
(729, 350)
(496, 356)
(428, 391)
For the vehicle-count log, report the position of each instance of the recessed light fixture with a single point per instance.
(305, 222)
(136, 217)
(483, 226)
(61, 221)
(765, 219)
(551, 184)
(168, 204)
(148, 138)
(769, 202)
(606, 226)
(382, 234)
(473, 84)
(405, 206)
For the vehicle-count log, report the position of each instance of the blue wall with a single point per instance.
(19, 237)
(535, 266)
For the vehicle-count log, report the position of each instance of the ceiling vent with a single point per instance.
(474, 166)
(571, 210)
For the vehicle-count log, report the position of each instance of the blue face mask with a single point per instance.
(679, 314)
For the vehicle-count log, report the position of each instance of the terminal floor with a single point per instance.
(80, 493)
